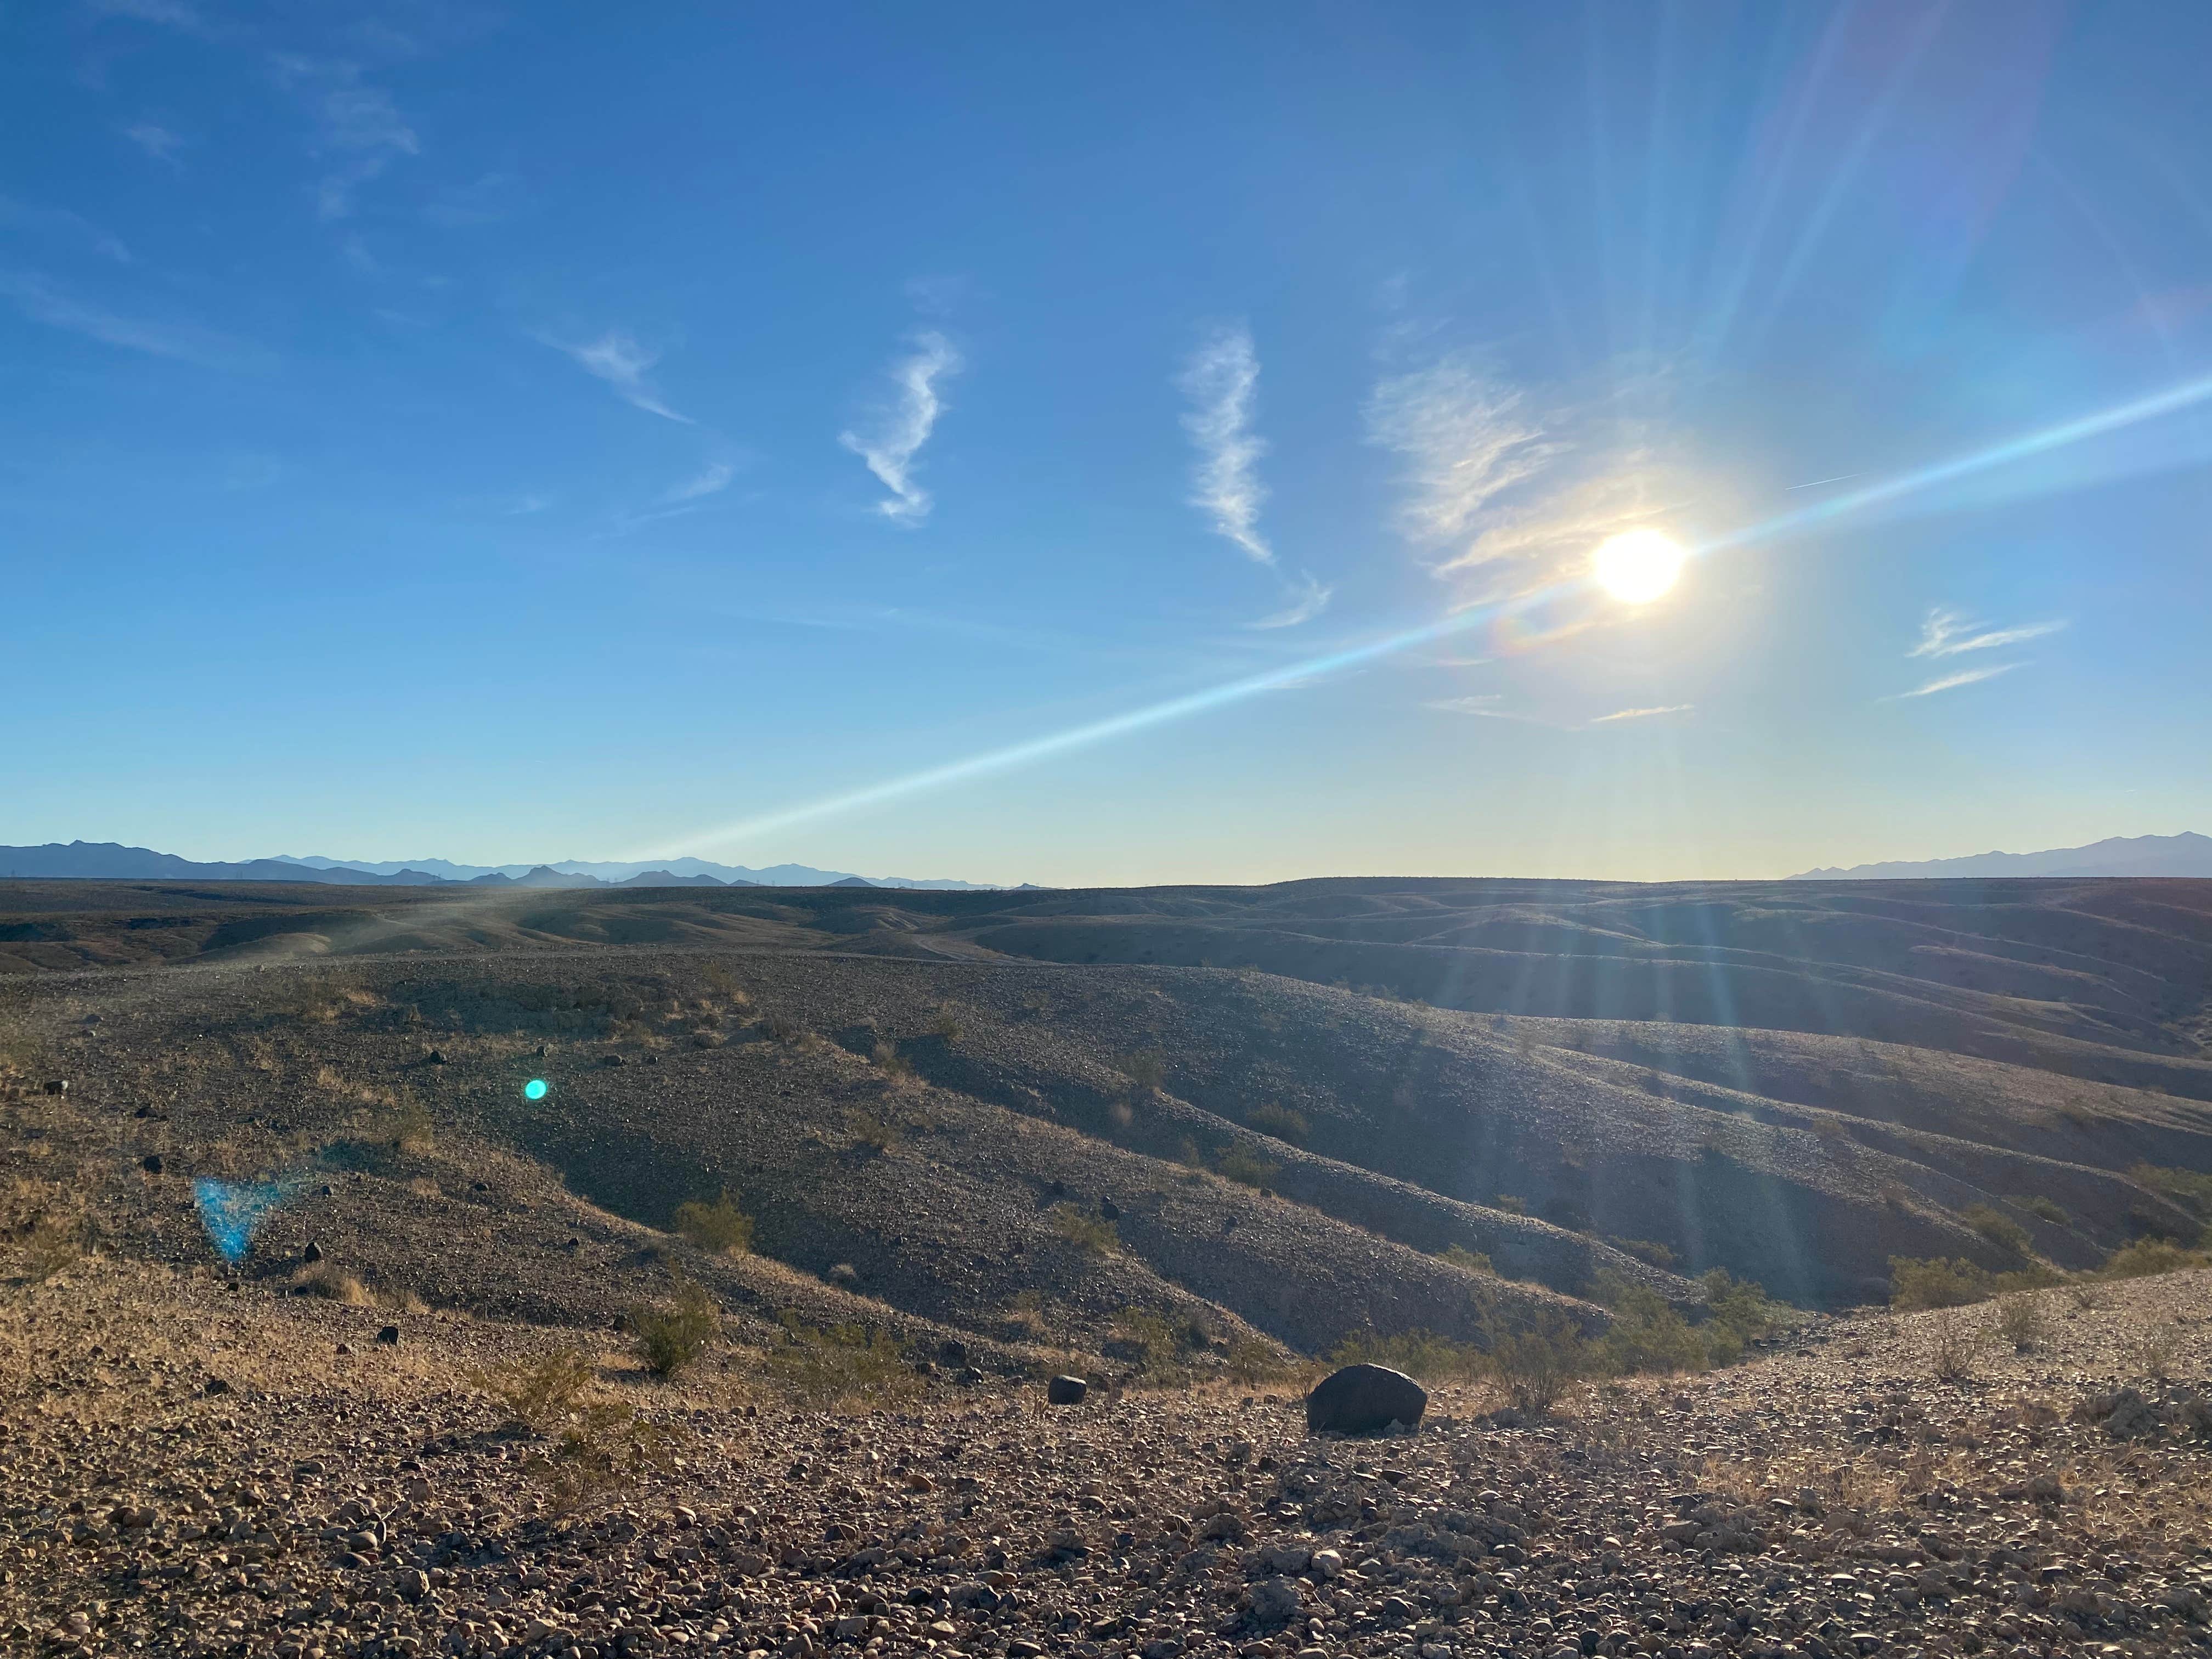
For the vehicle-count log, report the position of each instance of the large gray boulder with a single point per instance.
(1364, 1400)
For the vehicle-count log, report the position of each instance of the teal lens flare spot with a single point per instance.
(534, 1090)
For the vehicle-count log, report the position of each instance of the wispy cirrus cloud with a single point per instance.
(60, 225)
(1504, 487)
(1946, 633)
(624, 364)
(174, 13)
(902, 429)
(156, 140)
(1953, 681)
(1644, 714)
(45, 301)
(358, 129)
(1221, 381)
(1308, 598)
(710, 480)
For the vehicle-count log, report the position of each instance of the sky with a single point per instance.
(1144, 444)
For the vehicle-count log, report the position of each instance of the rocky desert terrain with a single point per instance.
(339, 1224)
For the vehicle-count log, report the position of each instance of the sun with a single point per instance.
(1637, 566)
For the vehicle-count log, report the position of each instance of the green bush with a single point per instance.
(669, 1337)
(1281, 1123)
(2048, 1209)
(2147, 1256)
(1145, 1069)
(540, 1393)
(1423, 1354)
(1645, 1250)
(1094, 1235)
(1459, 1256)
(1935, 1283)
(1739, 1307)
(838, 1364)
(891, 1063)
(1536, 1367)
(2000, 1229)
(1647, 1333)
(721, 1225)
(1511, 1204)
(1247, 1169)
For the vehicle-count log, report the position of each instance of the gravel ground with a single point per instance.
(188, 1469)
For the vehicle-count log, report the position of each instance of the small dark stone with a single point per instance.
(952, 1353)
(389, 1336)
(1109, 1210)
(1065, 1390)
(479, 1186)
(611, 1059)
(56, 1086)
(1058, 1190)
(971, 1376)
(433, 1058)
(151, 1164)
(325, 1190)
(312, 1253)
(216, 1385)
(1364, 1400)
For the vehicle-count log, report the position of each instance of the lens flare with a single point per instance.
(535, 1089)
(232, 1212)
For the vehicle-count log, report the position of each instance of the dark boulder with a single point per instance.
(1065, 1390)
(1364, 1400)
(312, 1253)
(389, 1336)
(152, 1164)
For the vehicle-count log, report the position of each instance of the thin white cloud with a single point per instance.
(901, 430)
(1952, 682)
(42, 301)
(1466, 437)
(523, 506)
(1946, 633)
(710, 480)
(1642, 713)
(1220, 380)
(1308, 598)
(357, 127)
(62, 226)
(157, 140)
(1486, 706)
(623, 363)
(174, 13)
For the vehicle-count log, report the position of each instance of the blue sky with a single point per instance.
(1161, 443)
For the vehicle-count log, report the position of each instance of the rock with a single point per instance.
(1364, 1400)
(433, 1058)
(151, 1164)
(1326, 1564)
(1275, 1600)
(389, 1336)
(952, 1353)
(1065, 1390)
(312, 1253)
(413, 1584)
(2124, 1414)
(1108, 1210)
(56, 1086)
(216, 1385)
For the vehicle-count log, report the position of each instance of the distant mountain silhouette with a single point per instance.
(662, 878)
(853, 881)
(109, 860)
(618, 874)
(2184, 854)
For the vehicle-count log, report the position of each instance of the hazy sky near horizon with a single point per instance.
(1077, 445)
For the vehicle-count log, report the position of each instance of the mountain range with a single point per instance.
(2184, 854)
(110, 861)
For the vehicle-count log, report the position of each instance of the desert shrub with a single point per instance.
(947, 1026)
(2147, 1256)
(1511, 1204)
(1536, 1367)
(1935, 1283)
(2152, 1354)
(891, 1063)
(1951, 1354)
(719, 980)
(1186, 1153)
(1741, 1309)
(2049, 1209)
(873, 1131)
(1423, 1354)
(46, 1225)
(1647, 1333)
(330, 1283)
(1145, 1069)
(409, 1127)
(668, 1337)
(1459, 1256)
(1281, 1122)
(1645, 1250)
(2023, 1321)
(605, 1446)
(838, 1364)
(2000, 1229)
(1146, 1339)
(1091, 1234)
(1244, 1167)
(720, 1226)
(2187, 1188)
(781, 1028)
(542, 1392)
(1254, 1359)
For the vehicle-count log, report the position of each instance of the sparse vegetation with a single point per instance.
(2147, 1256)
(1244, 1167)
(2000, 1229)
(2152, 1354)
(669, 1336)
(719, 1225)
(542, 1393)
(872, 1132)
(1645, 1250)
(1281, 1122)
(2023, 1321)
(332, 1284)
(1145, 1069)
(48, 1226)
(781, 1028)
(1510, 1203)
(838, 1364)
(2187, 1188)
(947, 1026)
(1422, 1354)
(412, 1129)
(891, 1063)
(2048, 1209)
(1935, 1283)
(1955, 1342)
(1475, 1261)
(1090, 1233)
(1537, 1366)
